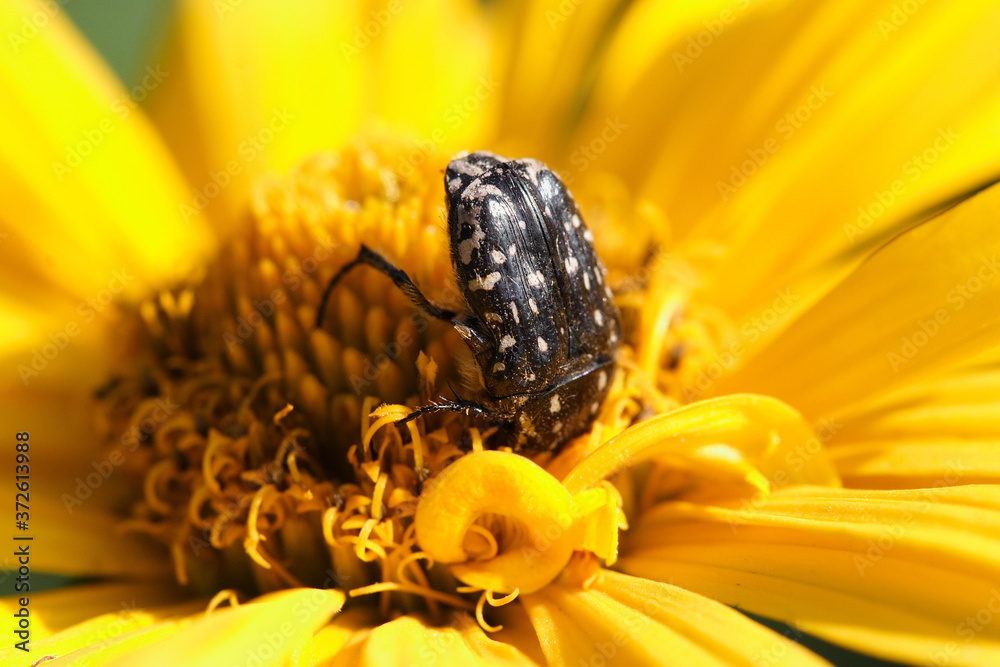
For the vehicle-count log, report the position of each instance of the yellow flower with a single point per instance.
(792, 200)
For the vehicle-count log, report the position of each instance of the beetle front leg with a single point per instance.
(368, 256)
(462, 405)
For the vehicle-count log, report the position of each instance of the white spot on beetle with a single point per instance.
(572, 265)
(533, 305)
(498, 257)
(594, 407)
(576, 220)
(531, 377)
(507, 342)
(486, 283)
(599, 318)
(466, 246)
(557, 427)
(498, 366)
(554, 404)
(586, 280)
(466, 167)
(542, 345)
(520, 223)
(589, 235)
(602, 381)
(479, 190)
(600, 278)
(535, 278)
(453, 185)
(533, 168)
(513, 310)
(493, 317)
(512, 249)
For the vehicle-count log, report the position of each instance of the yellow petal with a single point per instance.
(960, 402)
(927, 299)
(72, 617)
(409, 640)
(84, 539)
(267, 84)
(49, 345)
(270, 83)
(269, 630)
(347, 629)
(75, 483)
(30, 409)
(431, 65)
(769, 434)
(897, 574)
(914, 463)
(106, 650)
(936, 432)
(773, 158)
(92, 194)
(505, 484)
(545, 64)
(629, 621)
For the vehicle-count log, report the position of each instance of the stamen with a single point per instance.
(487, 596)
(429, 593)
(225, 595)
(159, 472)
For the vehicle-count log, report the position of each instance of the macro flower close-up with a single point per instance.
(523, 332)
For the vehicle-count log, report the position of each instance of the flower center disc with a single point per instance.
(242, 418)
(252, 436)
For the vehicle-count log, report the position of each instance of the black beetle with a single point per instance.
(540, 319)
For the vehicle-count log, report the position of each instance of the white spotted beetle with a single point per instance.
(540, 318)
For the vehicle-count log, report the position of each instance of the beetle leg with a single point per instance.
(368, 256)
(459, 405)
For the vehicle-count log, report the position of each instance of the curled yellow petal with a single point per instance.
(768, 433)
(499, 483)
(600, 509)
